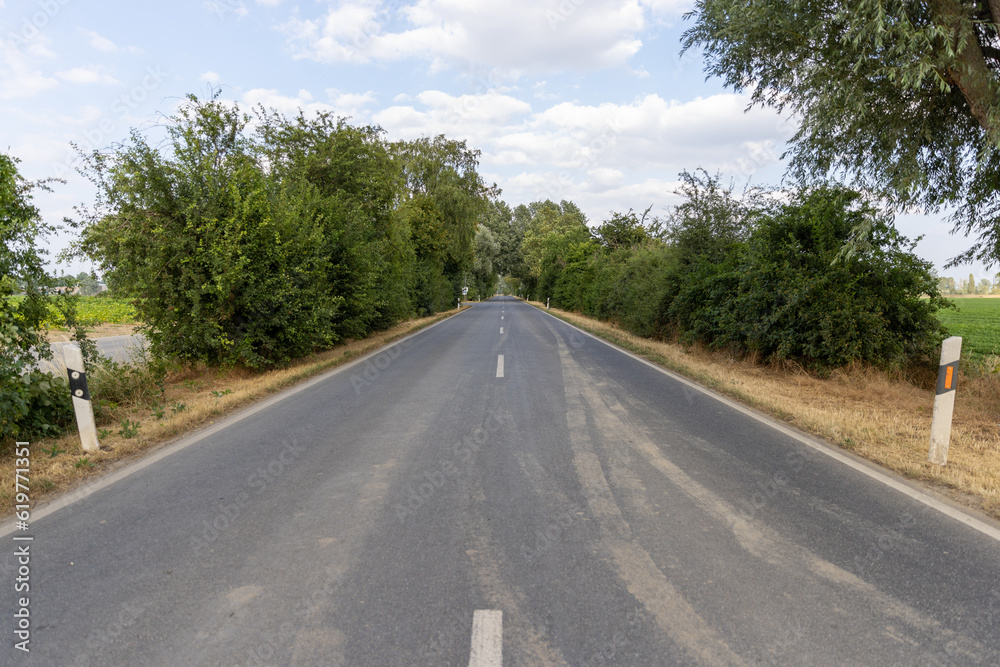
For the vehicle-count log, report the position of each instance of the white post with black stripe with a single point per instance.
(944, 401)
(81, 398)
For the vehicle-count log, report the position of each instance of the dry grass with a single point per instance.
(883, 418)
(207, 395)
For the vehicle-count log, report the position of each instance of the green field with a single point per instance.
(977, 321)
(92, 310)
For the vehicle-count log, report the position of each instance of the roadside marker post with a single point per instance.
(82, 406)
(944, 400)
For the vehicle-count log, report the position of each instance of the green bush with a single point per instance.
(791, 292)
(758, 277)
(800, 296)
(32, 404)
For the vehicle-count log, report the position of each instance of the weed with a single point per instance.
(54, 451)
(130, 429)
(220, 394)
(178, 407)
(137, 384)
(83, 462)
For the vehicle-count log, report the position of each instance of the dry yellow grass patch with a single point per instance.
(207, 395)
(883, 418)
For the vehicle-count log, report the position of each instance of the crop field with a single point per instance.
(977, 321)
(92, 311)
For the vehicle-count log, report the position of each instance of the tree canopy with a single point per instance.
(255, 239)
(901, 96)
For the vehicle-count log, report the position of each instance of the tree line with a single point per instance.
(775, 274)
(243, 239)
(254, 239)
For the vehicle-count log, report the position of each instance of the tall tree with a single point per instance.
(444, 199)
(902, 95)
(550, 223)
(508, 231)
(31, 403)
(240, 255)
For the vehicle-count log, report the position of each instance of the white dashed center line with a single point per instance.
(487, 638)
(500, 366)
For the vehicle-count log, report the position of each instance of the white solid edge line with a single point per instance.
(499, 365)
(70, 498)
(819, 446)
(487, 638)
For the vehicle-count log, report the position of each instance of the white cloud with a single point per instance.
(670, 8)
(98, 42)
(515, 36)
(605, 157)
(476, 118)
(222, 8)
(604, 178)
(86, 74)
(19, 77)
(210, 77)
(289, 106)
(351, 104)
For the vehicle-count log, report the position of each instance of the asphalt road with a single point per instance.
(118, 348)
(503, 487)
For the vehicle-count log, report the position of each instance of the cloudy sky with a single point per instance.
(586, 100)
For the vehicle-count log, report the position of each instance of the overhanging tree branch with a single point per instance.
(971, 73)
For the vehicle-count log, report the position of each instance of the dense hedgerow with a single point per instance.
(253, 247)
(762, 277)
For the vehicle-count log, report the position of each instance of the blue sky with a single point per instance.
(586, 100)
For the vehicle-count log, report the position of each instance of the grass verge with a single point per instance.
(876, 415)
(191, 398)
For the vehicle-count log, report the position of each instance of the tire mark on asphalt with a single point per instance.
(636, 568)
(614, 422)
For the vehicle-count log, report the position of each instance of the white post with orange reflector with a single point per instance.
(944, 401)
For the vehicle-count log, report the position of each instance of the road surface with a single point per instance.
(503, 489)
(118, 348)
